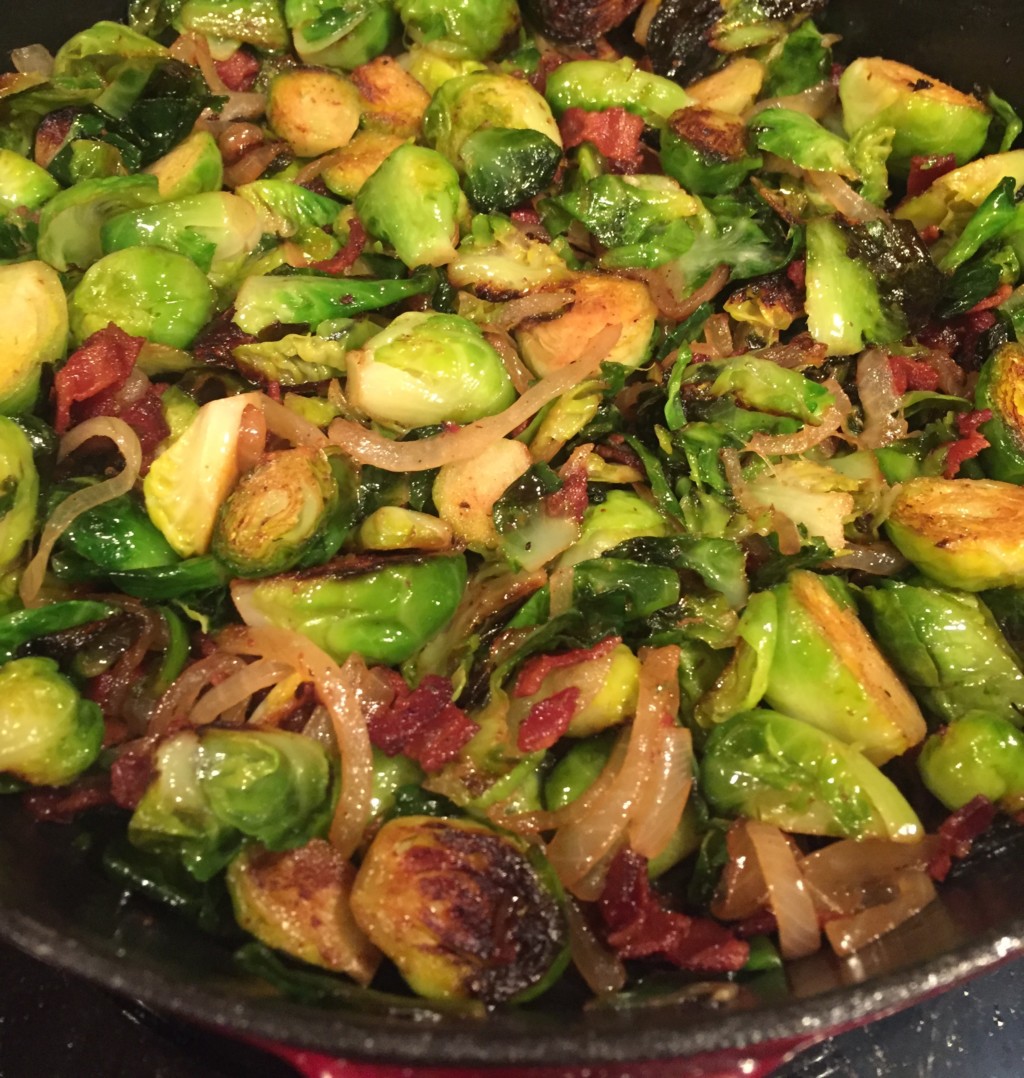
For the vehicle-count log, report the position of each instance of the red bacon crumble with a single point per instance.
(970, 443)
(348, 254)
(930, 234)
(571, 501)
(525, 215)
(238, 72)
(547, 720)
(423, 724)
(637, 925)
(130, 774)
(63, 804)
(924, 171)
(908, 373)
(615, 132)
(1000, 295)
(796, 272)
(537, 668)
(102, 365)
(958, 832)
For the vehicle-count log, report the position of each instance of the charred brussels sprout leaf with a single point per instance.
(773, 768)
(385, 614)
(21, 627)
(459, 948)
(705, 150)
(949, 650)
(981, 755)
(48, 733)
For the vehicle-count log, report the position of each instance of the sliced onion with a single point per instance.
(252, 165)
(665, 283)
(237, 139)
(879, 559)
(238, 689)
(788, 895)
(33, 60)
(742, 891)
(914, 890)
(193, 49)
(178, 700)
(600, 968)
(579, 847)
(661, 803)
(784, 528)
(533, 305)
(243, 106)
(801, 351)
(467, 442)
(784, 445)
(883, 418)
(839, 194)
(252, 438)
(718, 336)
(81, 501)
(560, 591)
(952, 377)
(289, 425)
(815, 101)
(502, 343)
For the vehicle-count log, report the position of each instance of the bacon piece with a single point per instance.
(924, 171)
(525, 215)
(638, 925)
(218, 338)
(130, 774)
(796, 272)
(423, 724)
(238, 72)
(908, 373)
(101, 365)
(548, 720)
(1000, 295)
(615, 132)
(571, 500)
(958, 832)
(930, 234)
(537, 668)
(63, 804)
(970, 443)
(349, 253)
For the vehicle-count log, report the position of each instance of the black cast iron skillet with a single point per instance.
(55, 905)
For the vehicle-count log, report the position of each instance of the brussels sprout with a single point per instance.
(148, 292)
(314, 111)
(255, 22)
(599, 301)
(33, 331)
(70, 223)
(949, 649)
(595, 85)
(706, 150)
(188, 482)
(340, 33)
(297, 901)
(309, 300)
(621, 516)
(770, 767)
(285, 208)
(760, 385)
(733, 88)
(352, 165)
(393, 528)
(961, 532)
(48, 733)
(23, 184)
(795, 136)
(413, 202)
(433, 69)
(385, 614)
(104, 38)
(418, 896)
(216, 230)
(473, 28)
(214, 788)
(999, 390)
(298, 358)
(392, 100)
(928, 116)
(116, 535)
(428, 368)
(497, 261)
(274, 515)
(981, 755)
(828, 672)
(194, 167)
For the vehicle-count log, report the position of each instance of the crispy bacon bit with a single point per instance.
(571, 501)
(62, 805)
(908, 373)
(537, 668)
(349, 253)
(1000, 295)
(548, 62)
(615, 132)
(958, 832)
(145, 416)
(130, 774)
(970, 443)
(101, 365)
(930, 234)
(796, 271)
(525, 215)
(637, 924)
(924, 171)
(218, 338)
(423, 724)
(238, 72)
(548, 720)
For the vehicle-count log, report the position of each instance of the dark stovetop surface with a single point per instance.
(53, 1025)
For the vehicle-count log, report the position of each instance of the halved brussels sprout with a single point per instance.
(384, 613)
(827, 671)
(981, 755)
(595, 85)
(392, 101)
(733, 88)
(285, 208)
(428, 368)
(23, 183)
(33, 331)
(964, 533)
(599, 301)
(770, 767)
(705, 150)
(49, 734)
(928, 116)
(194, 167)
(147, 291)
(413, 202)
(340, 33)
(433, 69)
(297, 901)
(255, 22)
(621, 516)
(392, 527)
(421, 897)
(276, 513)
(472, 28)
(352, 165)
(1000, 388)
(19, 491)
(314, 111)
